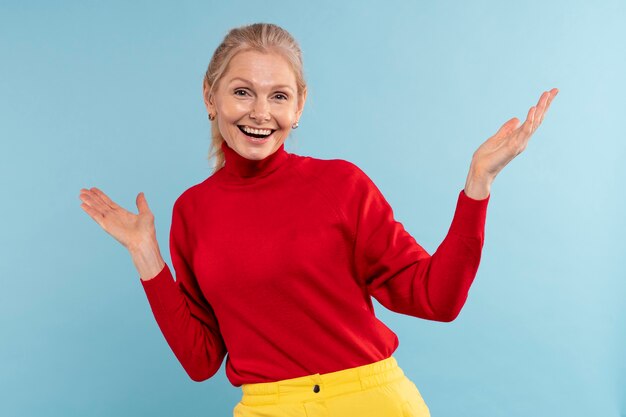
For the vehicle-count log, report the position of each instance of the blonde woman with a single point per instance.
(277, 255)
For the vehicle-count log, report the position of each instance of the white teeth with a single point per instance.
(256, 131)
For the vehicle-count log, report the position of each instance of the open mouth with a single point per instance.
(256, 133)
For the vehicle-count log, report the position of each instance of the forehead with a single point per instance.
(261, 69)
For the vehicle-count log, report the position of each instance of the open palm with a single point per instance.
(127, 228)
(511, 139)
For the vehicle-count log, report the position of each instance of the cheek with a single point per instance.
(233, 110)
(284, 115)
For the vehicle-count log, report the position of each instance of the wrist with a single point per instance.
(143, 246)
(147, 259)
(478, 184)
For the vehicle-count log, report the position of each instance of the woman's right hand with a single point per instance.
(131, 230)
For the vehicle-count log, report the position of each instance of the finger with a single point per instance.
(92, 199)
(507, 127)
(541, 107)
(93, 213)
(553, 94)
(527, 127)
(104, 198)
(542, 97)
(142, 203)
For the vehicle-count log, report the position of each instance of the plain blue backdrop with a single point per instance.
(108, 94)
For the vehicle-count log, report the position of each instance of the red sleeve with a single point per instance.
(400, 274)
(185, 318)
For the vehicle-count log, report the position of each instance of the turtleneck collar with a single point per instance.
(239, 167)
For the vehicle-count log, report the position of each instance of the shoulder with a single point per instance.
(342, 182)
(188, 199)
(336, 171)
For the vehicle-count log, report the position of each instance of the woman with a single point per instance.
(277, 255)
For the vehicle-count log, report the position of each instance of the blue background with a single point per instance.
(108, 94)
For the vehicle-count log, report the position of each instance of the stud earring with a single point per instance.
(211, 117)
(295, 125)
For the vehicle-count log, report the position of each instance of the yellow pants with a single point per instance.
(379, 389)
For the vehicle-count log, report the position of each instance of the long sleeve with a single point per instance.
(185, 318)
(402, 275)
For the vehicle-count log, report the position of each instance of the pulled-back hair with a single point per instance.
(260, 37)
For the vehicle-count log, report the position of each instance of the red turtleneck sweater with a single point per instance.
(276, 262)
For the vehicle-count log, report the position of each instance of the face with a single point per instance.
(256, 103)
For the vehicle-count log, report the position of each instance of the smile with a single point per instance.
(256, 133)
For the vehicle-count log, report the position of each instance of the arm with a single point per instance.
(398, 272)
(401, 275)
(185, 318)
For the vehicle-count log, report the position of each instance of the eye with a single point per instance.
(240, 90)
(281, 96)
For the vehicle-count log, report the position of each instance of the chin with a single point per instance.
(258, 151)
(256, 155)
(255, 152)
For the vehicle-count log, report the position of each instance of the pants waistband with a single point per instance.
(320, 386)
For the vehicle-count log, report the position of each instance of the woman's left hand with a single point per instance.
(500, 149)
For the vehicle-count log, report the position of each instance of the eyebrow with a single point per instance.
(283, 86)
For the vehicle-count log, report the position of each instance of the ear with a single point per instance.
(301, 101)
(209, 101)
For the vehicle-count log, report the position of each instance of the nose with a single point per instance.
(261, 111)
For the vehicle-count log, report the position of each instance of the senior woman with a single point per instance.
(277, 255)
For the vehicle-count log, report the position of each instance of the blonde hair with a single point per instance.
(261, 37)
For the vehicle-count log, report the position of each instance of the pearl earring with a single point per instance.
(295, 125)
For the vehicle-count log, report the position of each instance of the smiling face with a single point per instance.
(256, 102)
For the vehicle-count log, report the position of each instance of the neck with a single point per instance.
(240, 167)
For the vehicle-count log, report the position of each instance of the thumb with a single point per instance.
(142, 203)
(508, 127)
